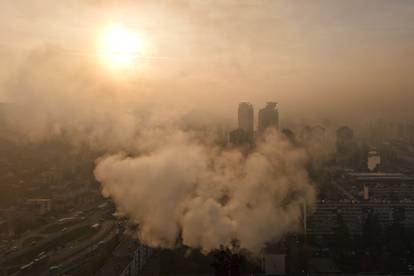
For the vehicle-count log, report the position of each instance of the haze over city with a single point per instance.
(234, 137)
(327, 58)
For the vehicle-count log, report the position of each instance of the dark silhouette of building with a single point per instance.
(344, 139)
(239, 136)
(226, 263)
(312, 134)
(245, 117)
(350, 153)
(268, 117)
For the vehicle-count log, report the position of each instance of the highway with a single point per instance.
(72, 248)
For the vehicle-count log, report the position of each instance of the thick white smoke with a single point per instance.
(161, 167)
(207, 195)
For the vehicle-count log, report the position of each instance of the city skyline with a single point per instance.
(206, 137)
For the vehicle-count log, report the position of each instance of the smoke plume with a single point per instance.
(162, 167)
(156, 125)
(209, 196)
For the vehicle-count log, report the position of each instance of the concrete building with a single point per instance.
(245, 118)
(324, 218)
(141, 257)
(380, 186)
(268, 117)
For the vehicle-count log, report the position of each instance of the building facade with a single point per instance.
(246, 118)
(268, 117)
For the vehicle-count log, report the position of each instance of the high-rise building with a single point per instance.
(344, 139)
(268, 117)
(245, 116)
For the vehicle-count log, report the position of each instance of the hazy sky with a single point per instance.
(321, 56)
(318, 59)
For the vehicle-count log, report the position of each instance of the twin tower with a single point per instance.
(268, 118)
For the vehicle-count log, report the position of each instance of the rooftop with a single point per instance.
(378, 176)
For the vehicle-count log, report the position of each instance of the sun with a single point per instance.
(119, 47)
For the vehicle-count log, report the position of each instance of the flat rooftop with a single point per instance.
(380, 177)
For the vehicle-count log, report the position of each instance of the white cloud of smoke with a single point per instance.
(208, 195)
(173, 182)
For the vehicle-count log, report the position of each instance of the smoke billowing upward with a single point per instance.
(208, 195)
(162, 167)
(155, 123)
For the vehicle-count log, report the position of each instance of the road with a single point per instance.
(69, 248)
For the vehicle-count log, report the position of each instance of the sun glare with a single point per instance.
(120, 48)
